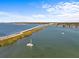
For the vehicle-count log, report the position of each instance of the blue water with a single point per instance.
(48, 43)
(11, 28)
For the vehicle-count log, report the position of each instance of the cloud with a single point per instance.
(60, 12)
(9, 17)
(67, 11)
(39, 16)
(46, 6)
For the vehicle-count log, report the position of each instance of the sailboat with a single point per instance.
(30, 44)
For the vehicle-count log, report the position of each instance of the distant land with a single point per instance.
(62, 24)
(20, 23)
(37, 22)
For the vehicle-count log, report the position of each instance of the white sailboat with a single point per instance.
(30, 44)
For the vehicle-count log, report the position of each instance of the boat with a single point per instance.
(30, 44)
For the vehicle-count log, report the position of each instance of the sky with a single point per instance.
(39, 10)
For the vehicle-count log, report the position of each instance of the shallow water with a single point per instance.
(11, 28)
(47, 43)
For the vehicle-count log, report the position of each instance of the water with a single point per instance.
(48, 43)
(11, 28)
